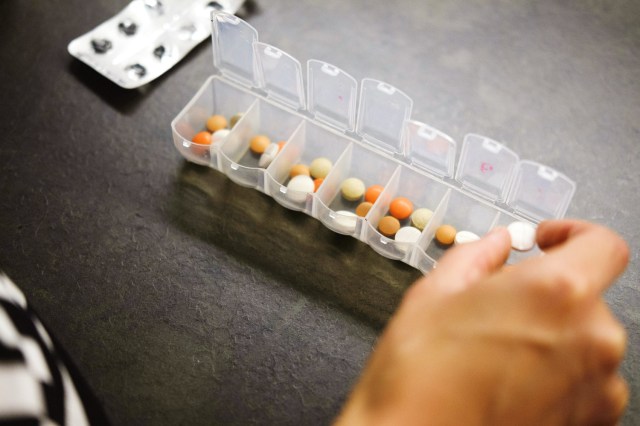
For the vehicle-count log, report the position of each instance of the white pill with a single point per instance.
(298, 188)
(465, 237)
(408, 234)
(268, 155)
(523, 236)
(346, 220)
(219, 135)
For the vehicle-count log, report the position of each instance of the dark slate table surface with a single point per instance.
(186, 299)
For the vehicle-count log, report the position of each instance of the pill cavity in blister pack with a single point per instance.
(147, 38)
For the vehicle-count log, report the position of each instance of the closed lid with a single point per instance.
(279, 74)
(486, 167)
(232, 42)
(382, 113)
(430, 149)
(332, 95)
(540, 192)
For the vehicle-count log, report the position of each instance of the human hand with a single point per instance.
(476, 342)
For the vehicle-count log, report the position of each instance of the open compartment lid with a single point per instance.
(430, 149)
(382, 113)
(540, 192)
(486, 167)
(331, 95)
(279, 74)
(232, 42)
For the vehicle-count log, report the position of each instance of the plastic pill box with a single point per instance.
(367, 131)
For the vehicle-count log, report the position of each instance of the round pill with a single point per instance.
(216, 122)
(463, 237)
(352, 189)
(219, 135)
(363, 208)
(373, 192)
(346, 220)
(401, 208)
(316, 183)
(523, 236)
(235, 119)
(445, 234)
(320, 167)
(202, 138)
(299, 169)
(388, 226)
(421, 217)
(268, 155)
(299, 187)
(259, 143)
(408, 234)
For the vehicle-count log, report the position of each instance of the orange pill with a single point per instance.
(373, 192)
(259, 143)
(388, 226)
(216, 122)
(445, 234)
(401, 208)
(363, 208)
(281, 145)
(317, 182)
(201, 142)
(299, 169)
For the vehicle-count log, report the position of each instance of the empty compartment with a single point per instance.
(367, 168)
(310, 142)
(409, 192)
(263, 120)
(215, 97)
(462, 212)
(505, 219)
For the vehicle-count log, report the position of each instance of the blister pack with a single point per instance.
(147, 38)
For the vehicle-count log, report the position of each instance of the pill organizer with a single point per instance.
(147, 38)
(366, 130)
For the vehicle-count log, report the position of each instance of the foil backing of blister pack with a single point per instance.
(147, 38)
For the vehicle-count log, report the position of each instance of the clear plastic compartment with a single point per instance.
(214, 97)
(309, 142)
(359, 162)
(235, 158)
(422, 191)
(462, 211)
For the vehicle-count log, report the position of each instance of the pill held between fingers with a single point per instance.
(401, 208)
(299, 169)
(445, 234)
(299, 187)
(421, 217)
(373, 192)
(233, 120)
(320, 167)
(463, 237)
(259, 143)
(523, 236)
(216, 122)
(363, 208)
(388, 226)
(352, 189)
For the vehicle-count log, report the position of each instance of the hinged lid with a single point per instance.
(430, 149)
(486, 167)
(332, 94)
(232, 40)
(539, 192)
(279, 74)
(382, 113)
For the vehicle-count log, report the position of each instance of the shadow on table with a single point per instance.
(290, 245)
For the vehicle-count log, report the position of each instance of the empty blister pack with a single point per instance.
(147, 38)
(357, 162)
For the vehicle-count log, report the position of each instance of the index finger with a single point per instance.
(595, 255)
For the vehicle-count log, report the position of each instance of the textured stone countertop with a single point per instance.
(187, 299)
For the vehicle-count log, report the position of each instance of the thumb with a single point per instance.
(468, 263)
